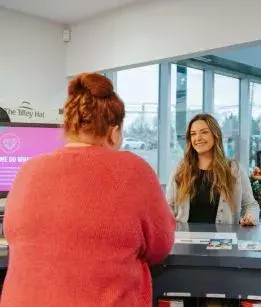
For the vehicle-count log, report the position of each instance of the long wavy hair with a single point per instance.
(223, 181)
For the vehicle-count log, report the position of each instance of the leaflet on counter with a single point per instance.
(187, 237)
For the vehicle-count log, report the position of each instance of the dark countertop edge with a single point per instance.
(212, 261)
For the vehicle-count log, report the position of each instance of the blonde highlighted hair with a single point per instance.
(223, 181)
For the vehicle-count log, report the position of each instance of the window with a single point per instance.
(186, 102)
(226, 111)
(255, 138)
(139, 89)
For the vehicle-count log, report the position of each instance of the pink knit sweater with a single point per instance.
(83, 225)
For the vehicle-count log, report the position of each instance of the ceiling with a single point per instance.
(64, 11)
(248, 55)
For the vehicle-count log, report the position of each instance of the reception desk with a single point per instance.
(192, 270)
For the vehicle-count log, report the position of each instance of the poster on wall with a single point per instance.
(19, 144)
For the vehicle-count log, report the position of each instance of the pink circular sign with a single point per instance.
(9, 143)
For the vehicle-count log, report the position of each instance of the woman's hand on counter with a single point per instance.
(247, 220)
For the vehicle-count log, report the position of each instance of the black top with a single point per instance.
(202, 210)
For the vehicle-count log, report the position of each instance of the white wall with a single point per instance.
(161, 29)
(32, 64)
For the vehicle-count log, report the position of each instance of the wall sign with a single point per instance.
(25, 110)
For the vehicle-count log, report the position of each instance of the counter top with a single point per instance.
(198, 255)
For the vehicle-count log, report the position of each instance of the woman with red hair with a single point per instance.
(85, 222)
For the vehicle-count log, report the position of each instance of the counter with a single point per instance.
(192, 270)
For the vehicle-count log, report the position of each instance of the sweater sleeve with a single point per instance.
(158, 222)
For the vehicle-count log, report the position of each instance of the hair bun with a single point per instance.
(98, 85)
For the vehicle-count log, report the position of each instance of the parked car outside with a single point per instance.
(132, 143)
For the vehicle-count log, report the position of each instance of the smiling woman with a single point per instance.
(207, 187)
(202, 139)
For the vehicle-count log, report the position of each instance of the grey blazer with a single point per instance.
(243, 198)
